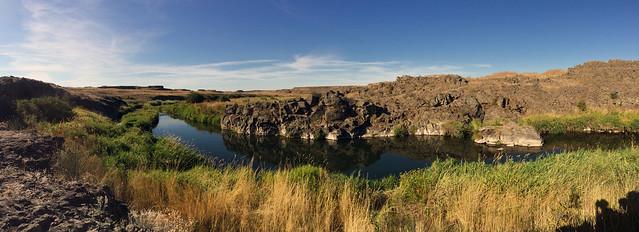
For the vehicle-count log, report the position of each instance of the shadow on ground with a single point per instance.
(607, 219)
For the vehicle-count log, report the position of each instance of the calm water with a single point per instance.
(374, 158)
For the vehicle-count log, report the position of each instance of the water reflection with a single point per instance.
(374, 158)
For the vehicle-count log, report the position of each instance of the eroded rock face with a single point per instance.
(331, 115)
(509, 135)
(334, 116)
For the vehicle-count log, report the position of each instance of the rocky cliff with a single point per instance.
(441, 104)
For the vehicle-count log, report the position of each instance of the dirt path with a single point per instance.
(32, 199)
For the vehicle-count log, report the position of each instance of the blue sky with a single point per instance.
(272, 44)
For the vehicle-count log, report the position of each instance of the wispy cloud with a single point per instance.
(65, 44)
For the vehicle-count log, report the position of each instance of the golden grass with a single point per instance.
(237, 201)
(541, 195)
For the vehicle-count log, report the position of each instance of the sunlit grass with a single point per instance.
(585, 121)
(155, 174)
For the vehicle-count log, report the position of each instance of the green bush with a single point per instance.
(144, 119)
(194, 97)
(46, 109)
(170, 153)
(307, 174)
(196, 113)
(581, 105)
(400, 131)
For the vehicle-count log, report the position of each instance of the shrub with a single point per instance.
(614, 95)
(194, 98)
(456, 129)
(319, 135)
(306, 174)
(581, 105)
(144, 119)
(197, 113)
(46, 109)
(170, 153)
(400, 131)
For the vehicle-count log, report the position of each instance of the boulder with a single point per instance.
(510, 134)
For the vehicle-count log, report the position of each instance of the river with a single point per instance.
(371, 158)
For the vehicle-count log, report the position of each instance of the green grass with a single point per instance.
(145, 119)
(46, 109)
(596, 121)
(163, 173)
(128, 144)
(197, 113)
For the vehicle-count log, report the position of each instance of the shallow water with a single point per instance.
(373, 158)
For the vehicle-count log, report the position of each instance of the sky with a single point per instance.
(273, 44)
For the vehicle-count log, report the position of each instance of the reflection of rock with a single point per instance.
(509, 135)
(334, 155)
(348, 154)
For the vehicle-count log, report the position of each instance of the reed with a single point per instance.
(562, 191)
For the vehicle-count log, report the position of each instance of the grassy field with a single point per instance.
(561, 191)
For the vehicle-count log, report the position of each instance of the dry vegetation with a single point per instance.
(543, 195)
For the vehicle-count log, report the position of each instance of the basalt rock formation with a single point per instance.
(335, 116)
(330, 116)
(441, 104)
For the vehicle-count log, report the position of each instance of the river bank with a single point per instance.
(553, 192)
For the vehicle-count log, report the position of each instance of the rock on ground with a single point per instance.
(32, 199)
(510, 135)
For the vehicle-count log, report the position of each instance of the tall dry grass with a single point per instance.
(542, 195)
(243, 200)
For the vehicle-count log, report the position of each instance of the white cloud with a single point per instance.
(481, 65)
(65, 44)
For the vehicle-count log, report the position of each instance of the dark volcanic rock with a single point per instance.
(31, 199)
(332, 116)
(17, 88)
(373, 112)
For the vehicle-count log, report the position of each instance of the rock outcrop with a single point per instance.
(32, 199)
(510, 135)
(331, 116)
(16, 88)
(335, 116)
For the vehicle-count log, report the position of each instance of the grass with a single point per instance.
(197, 113)
(163, 174)
(627, 121)
(46, 109)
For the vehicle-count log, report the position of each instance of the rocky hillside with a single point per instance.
(16, 88)
(440, 104)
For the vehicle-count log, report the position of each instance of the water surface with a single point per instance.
(373, 158)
